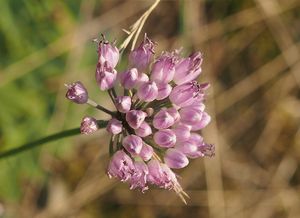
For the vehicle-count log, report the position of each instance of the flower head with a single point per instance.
(157, 114)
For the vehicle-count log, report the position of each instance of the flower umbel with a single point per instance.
(159, 114)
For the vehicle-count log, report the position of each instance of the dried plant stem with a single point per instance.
(136, 28)
(143, 20)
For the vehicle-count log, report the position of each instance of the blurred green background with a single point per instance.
(252, 59)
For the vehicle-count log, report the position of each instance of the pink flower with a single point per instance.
(175, 159)
(164, 90)
(105, 76)
(135, 118)
(163, 120)
(129, 78)
(133, 144)
(142, 78)
(139, 176)
(158, 106)
(77, 93)
(120, 166)
(182, 132)
(161, 175)
(144, 130)
(108, 52)
(187, 69)
(142, 55)
(163, 69)
(190, 146)
(190, 116)
(146, 152)
(88, 125)
(195, 147)
(123, 103)
(147, 91)
(165, 138)
(174, 113)
(185, 94)
(205, 120)
(114, 126)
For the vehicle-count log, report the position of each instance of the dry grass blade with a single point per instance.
(136, 28)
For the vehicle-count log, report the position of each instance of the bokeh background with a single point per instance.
(252, 59)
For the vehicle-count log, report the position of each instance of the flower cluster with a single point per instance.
(155, 127)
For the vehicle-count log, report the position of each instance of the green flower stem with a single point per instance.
(50, 138)
(99, 107)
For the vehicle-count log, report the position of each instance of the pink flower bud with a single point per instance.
(155, 173)
(175, 159)
(144, 130)
(105, 76)
(123, 103)
(135, 118)
(190, 116)
(139, 176)
(164, 90)
(142, 55)
(163, 69)
(142, 78)
(147, 91)
(185, 94)
(129, 78)
(146, 152)
(165, 138)
(182, 132)
(120, 166)
(108, 52)
(189, 147)
(205, 120)
(163, 120)
(161, 175)
(194, 147)
(197, 105)
(77, 93)
(133, 144)
(188, 68)
(174, 113)
(196, 138)
(114, 126)
(88, 125)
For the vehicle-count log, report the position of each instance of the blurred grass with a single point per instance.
(251, 50)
